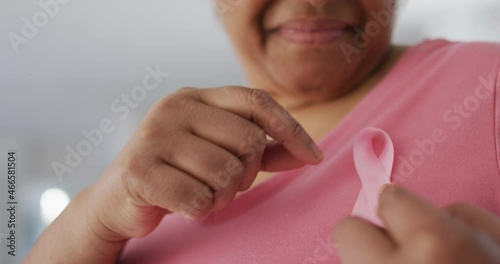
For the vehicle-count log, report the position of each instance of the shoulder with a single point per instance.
(455, 57)
(454, 64)
(468, 51)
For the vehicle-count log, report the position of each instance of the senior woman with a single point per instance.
(423, 117)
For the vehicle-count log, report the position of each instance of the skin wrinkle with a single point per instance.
(261, 59)
(308, 78)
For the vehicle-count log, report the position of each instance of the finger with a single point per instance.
(226, 129)
(259, 107)
(277, 158)
(358, 241)
(242, 138)
(406, 215)
(207, 162)
(171, 189)
(478, 218)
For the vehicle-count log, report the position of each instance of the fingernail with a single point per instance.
(317, 151)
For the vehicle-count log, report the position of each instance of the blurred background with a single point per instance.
(72, 74)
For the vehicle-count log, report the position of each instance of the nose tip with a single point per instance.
(318, 3)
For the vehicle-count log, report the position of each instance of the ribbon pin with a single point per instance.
(374, 171)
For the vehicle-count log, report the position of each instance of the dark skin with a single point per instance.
(418, 232)
(198, 148)
(319, 87)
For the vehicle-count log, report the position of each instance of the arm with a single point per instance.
(77, 236)
(193, 152)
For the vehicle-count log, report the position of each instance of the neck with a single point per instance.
(319, 118)
(294, 105)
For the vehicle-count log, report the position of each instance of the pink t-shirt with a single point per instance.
(440, 107)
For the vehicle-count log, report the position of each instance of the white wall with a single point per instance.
(460, 20)
(91, 52)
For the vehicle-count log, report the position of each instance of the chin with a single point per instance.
(315, 77)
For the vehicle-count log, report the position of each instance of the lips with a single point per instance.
(312, 31)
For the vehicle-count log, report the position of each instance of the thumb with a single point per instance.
(477, 218)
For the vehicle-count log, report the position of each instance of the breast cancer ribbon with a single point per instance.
(373, 170)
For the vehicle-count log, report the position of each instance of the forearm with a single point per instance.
(75, 237)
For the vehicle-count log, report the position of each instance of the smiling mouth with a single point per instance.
(312, 31)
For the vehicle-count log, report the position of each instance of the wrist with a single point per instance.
(101, 210)
(76, 236)
(98, 237)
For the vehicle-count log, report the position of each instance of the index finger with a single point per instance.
(406, 216)
(260, 108)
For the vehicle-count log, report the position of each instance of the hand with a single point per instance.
(193, 152)
(420, 233)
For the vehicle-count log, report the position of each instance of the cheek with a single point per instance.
(379, 18)
(242, 21)
(236, 14)
(374, 5)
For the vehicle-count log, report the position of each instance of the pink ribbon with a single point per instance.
(374, 171)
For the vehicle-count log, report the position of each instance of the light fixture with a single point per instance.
(52, 203)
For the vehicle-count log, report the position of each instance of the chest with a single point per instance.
(289, 218)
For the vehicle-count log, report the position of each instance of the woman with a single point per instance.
(327, 71)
